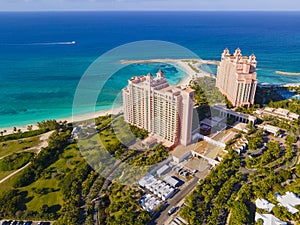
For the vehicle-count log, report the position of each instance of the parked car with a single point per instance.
(172, 210)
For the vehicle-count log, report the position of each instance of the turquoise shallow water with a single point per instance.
(40, 68)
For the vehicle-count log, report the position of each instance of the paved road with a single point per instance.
(14, 173)
(162, 217)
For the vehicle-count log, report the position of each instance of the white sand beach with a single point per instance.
(71, 119)
(189, 66)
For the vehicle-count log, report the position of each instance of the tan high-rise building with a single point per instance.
(166, 111)
(236, 77)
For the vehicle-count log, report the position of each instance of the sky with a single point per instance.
(162, 5)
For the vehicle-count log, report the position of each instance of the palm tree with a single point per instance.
(15, 129)
(29, 127)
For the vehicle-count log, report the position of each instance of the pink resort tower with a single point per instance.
(236, 78)
(165, 111)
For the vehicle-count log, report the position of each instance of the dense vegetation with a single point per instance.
(151, 156)
(74, 186)
(208, 204)
(290, 104)
(255, 139)
(15, 146)
(205, 91)
(15, 161)
(120, 206)
(56, 144)
(138, 132)
(229, 191)
(16, 206)
(43, 126)
(19, 135)
(295, 89)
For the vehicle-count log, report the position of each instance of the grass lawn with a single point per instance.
(47, 191)
(52, 195)
(4, 174)
(10, 147)
(13, 162)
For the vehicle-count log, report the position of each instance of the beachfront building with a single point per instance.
(278, 113)
(236, 78)
(165, 111)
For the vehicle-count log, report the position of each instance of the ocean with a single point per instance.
(40, 67)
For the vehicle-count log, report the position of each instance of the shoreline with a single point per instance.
(189, 66)
(71, 119)
(82, 117)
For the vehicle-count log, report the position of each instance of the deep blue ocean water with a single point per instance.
(39, 74)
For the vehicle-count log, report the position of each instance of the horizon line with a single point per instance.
(154, 10)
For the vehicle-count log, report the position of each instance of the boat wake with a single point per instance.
(45, 43)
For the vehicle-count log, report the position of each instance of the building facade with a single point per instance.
(166, 111)
(236, 78)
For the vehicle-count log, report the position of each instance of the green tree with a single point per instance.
(240, 213)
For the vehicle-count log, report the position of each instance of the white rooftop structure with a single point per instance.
(289, 201)
(163, 170)
(147, 181)
(150, 203)
(272, 129)
(172, 181)
(158, 187)
(264, 204)
(269, 219)
(281, 113)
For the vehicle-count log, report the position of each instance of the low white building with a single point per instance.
(280, 113)
(289, 201)
(269, 219)
(158, 187)
(264, 204)
(150, 203)
(271, 129)
(163, 170)
(172, 181)
(147, 181)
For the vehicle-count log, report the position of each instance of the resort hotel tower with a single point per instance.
(165, 111)
(236, 78)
